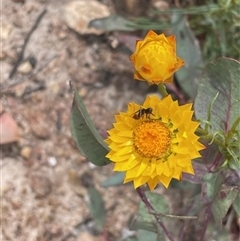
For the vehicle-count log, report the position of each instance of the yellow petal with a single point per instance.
(172, 42)
(152, 183)
(188, 169)
(137, 76)
(142, 167)
(166, 170)
(169, 80)
(177, 173)
(165, 180)
(180, 63)
(125, 166)
(159, 169)
(139, 181)
(151, 34)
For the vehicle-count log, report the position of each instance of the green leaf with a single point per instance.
(231, 177)
(129, 239)
(96, 207)
(222, 203)
(212, 183)
(195, 10)
(84, 133)
(147, 221)
(118, 23)
(236, 204)
(144, 235)
(114, 180)
(234, 161)
(214, 232)
(220, 76)
(147, 224)
(112, 23)
(188, 49)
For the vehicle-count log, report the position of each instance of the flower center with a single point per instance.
(152, 139)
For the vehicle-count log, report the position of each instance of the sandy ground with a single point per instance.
(42, 188)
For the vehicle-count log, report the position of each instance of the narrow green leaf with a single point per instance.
(84, 133)
(188, 49)
(222, 203)
(118, 23)
(147, 221)
(112, 23)
(148, 224)
(212, 183)
(220, 76)
(234, 161)
(191, 10)
(236, 204)
(96, 207)
(114, 180)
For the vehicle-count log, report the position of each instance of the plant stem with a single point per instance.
(149, 206)
(206, 136)
(205, 223)
(231, 132)
(200, 131)
(216, 162)
(162, 90)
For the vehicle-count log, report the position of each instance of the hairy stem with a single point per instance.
(162, 90)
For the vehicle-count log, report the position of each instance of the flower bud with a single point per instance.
(155, 59)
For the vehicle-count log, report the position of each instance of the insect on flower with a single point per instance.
(140, 113)
(157, 150)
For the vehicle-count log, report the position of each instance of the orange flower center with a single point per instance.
(152, 139)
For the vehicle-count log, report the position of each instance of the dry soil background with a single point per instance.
(43, 192)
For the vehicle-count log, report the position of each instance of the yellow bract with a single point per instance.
(155, 58)
(154, 148)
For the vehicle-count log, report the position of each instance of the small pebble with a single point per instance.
(52, 161)
(26, 152)
(91, 165)
(25, 67)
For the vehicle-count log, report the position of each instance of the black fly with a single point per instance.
(140, 113)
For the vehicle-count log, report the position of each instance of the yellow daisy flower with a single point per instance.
(155, 58)
(154, 142)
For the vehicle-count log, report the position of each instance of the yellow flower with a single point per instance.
(154, 142)
(155, 58)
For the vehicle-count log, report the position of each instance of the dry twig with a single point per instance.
(20, 57)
